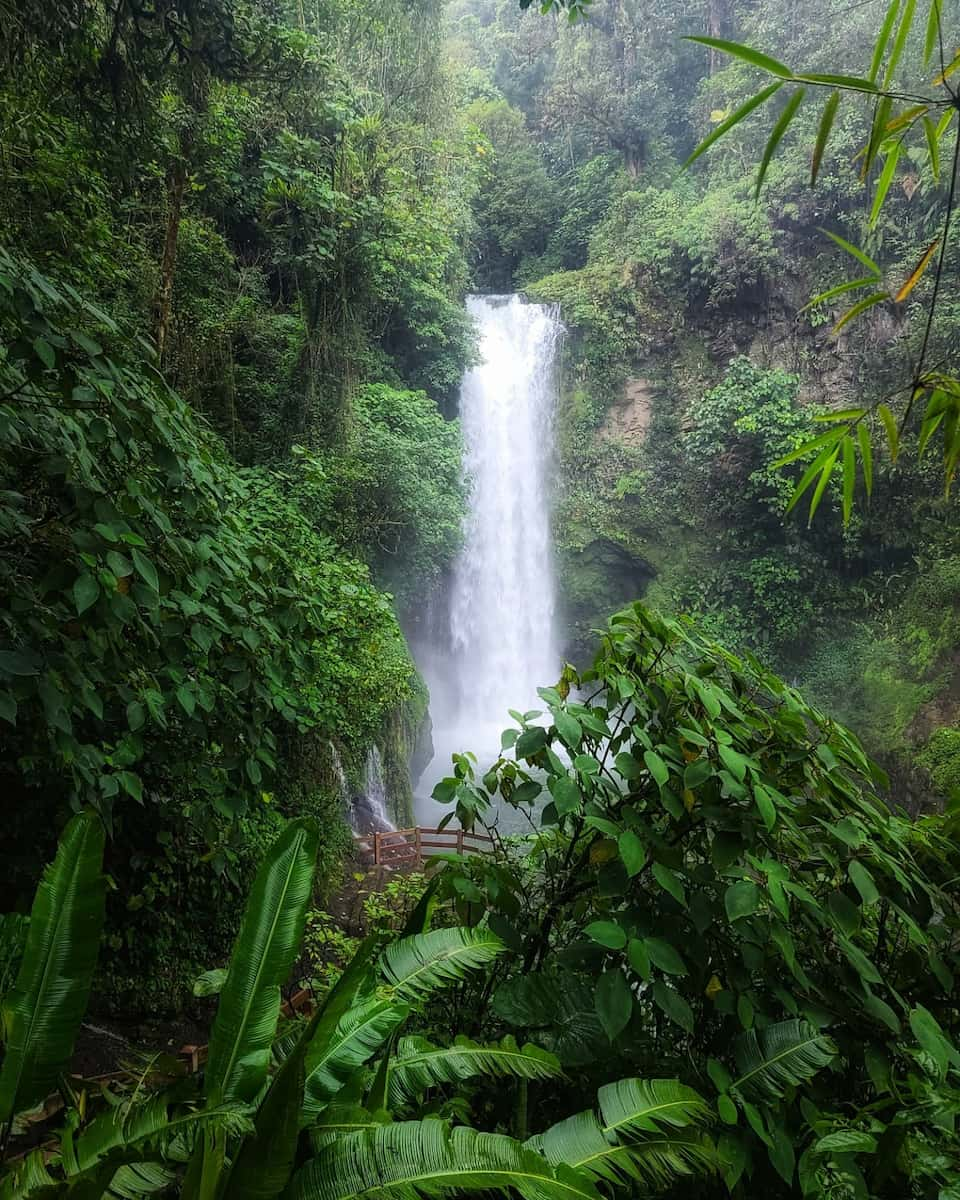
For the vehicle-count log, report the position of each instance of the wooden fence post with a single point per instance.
(376, 849)
(459, 841)
(419, 847)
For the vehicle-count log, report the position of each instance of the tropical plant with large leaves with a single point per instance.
(41, 1014)
(330, 1081)
(714, 887)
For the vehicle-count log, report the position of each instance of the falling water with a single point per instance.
(370, 809)
(494, 643)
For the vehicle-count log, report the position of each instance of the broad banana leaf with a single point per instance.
(411, 1159)
(416, 966)
(265, 950)
(43, 1011)
(419, 1065)
(359, 1035)
(779, 1056)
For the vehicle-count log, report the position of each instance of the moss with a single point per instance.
(941, 758)
(406, 747)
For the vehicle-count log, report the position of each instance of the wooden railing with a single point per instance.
(410, 846)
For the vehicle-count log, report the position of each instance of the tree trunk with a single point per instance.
(178, 180)
(716, 26)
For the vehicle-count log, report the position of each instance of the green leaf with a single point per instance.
(607, 933)
(741, 899)
(857, 254)
(777, 135)
(883, 183)
(417, 966)
(264, 953)
(86, 592)
(884, 36)
(746, 54)
(778, 1057)
(823, 134)
(638, 958)
(866, 456)
(849, 479)
(45, 352)
(566, 795)
(663, 955)
(855, 83)
(656, 766)
(632, 852)
(614, 1002)
(851, 285)
(145, 569)
(743, 111)
(333, 1056)
(890, 426)
(845, 1141)
(673, 1004)
(828, 439)
(932, 35)
(927, 1031)
(933, 146)
(418, 1065)
(531, 741)
(43, 1010)
(906, 21)
(645, 1132)
(670, 883)
(417, 1158)
(862, 880)
(765, 806)
(822, 484)
(858, 308)
(569, 729)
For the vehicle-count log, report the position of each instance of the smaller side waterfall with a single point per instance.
(369, 812)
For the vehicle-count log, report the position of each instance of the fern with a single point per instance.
(416, 966)
(419, 1065)
(408, 1160)
(780, 1056)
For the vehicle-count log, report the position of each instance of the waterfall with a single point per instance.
(493, 642)
(369, 810)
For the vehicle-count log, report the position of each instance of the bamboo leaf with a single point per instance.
(777, 134)
(827, 439)
(901, 40)
(822, 484)
(880, 118)
(823, 135)
(948, 71)
(944, 122)
(883, 184)
(734, 119)
(917, 272)
(851, 249)
(807, 478)
(932, 36)
(866, 456)
(907, 117)
(858, 308)
(850, 286)
(933, 146)
(885, 30)
(747, 54)
(890, 425)
(849, 479)
(841, 414)
(937, 407)
(853, 83)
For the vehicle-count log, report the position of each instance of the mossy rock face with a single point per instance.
(596, 580)
(941, 757)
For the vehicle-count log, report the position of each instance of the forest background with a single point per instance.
(238, 237)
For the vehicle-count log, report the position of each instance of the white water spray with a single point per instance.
(496, 642)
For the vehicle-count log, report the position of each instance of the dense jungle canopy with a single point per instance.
(710, 946)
